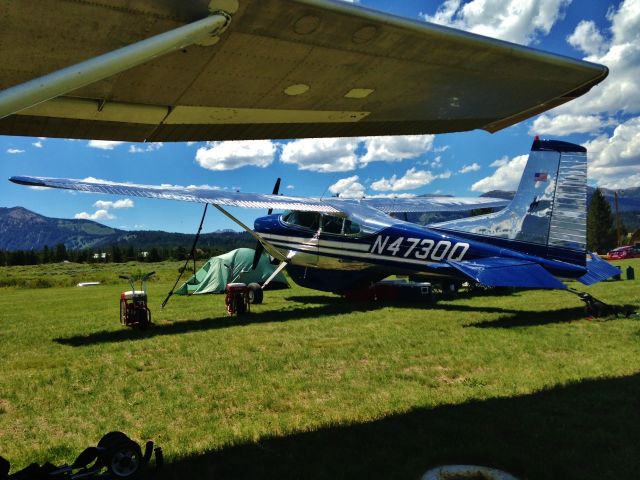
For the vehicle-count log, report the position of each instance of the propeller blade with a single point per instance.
(259, 248)
(276, 190)
(257, 255)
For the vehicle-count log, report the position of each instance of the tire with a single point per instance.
(124, 459)
(255, 293)
(241, 307)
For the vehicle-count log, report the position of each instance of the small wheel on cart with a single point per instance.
(255, 293)
(240, 305)
(124, 459)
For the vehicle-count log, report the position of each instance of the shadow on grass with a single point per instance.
(335, 307)
(532, 319)
(587, 430)
(327, 306)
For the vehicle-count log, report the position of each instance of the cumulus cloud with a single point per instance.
(565, 124)
(619, 50)
(232, 155)
(349, 187)
(587, 38)
(519, 21)
(506, 177)
(146, 147)
(322, 154)
(474, 167)
(614, 161)
(98, 215)
(104, 144)
(412, 179)
(14, 151)
(396, 149)
(106, 205)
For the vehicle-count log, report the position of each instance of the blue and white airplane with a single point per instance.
(337, 244)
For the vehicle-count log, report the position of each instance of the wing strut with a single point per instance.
(38, 90)
(192, 254)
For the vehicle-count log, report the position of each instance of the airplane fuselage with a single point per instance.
(336, 260)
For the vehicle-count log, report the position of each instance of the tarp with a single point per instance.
(234, 266)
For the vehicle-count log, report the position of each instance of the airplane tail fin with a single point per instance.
(548, 214)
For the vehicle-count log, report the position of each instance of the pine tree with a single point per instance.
(601, 235)
(61, 253)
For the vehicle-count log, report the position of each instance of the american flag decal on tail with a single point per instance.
(540, 176)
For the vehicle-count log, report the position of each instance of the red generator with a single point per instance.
(237, 298)
(134, 311)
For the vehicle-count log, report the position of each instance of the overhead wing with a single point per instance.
(258, 200)
(433, 204)
(282, 69)
(186, 194)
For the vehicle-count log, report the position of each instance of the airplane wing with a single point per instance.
(433, 204)
(276, 69)
(258, 200)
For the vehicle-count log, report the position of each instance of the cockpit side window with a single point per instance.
(332, 224)
(310, 220)
(351, 228)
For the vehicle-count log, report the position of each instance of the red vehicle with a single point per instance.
(622, 253)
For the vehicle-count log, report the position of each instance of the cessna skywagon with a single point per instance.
(338, 244)
(253, 69)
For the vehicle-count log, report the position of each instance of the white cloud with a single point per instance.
(106, 205)
(620, 52)
(14, 151)
(396, 149)
(290, 187)
(506, 177)
(500, 162)
(98, 215)
(565, 124)
(232, 155)
(614, 162)
(37, 144)
(322, 154)
(474, 167)
(519, 21)
(104, 144)
(412, 179)
(587, 38)
(147, 147)
(348, 187)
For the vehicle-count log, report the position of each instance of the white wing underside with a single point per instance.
(265, 201)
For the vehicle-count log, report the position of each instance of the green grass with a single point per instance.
(309, 386)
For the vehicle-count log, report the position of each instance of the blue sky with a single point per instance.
(606, 121)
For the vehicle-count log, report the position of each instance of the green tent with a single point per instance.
(234, 266)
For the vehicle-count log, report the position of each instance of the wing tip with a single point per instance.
(29, 181)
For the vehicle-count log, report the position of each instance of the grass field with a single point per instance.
(309, 386)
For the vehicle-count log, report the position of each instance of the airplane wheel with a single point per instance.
(255, 293)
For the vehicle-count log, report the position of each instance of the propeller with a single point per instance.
(259, 247)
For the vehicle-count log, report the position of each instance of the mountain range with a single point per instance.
(22, 229)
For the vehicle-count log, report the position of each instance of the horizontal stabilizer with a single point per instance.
(598, 270)
(507, 272)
